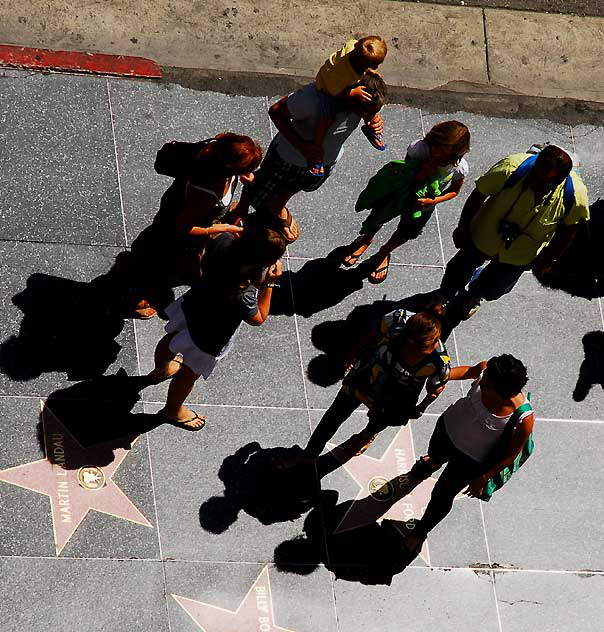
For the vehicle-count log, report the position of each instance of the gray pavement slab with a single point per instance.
(215, 488)
(554, 501)
(588, 141)
(530, 323)
(54, 327)
(77, 595)
(58, 165)
(419, 599)
(238, 596)
(529, 601)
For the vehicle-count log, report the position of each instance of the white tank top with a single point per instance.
(472, 428)
(228, 197)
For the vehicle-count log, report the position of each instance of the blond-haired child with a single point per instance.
(342, 70)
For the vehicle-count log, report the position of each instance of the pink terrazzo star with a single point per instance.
(254, 613)
(384, 491)
(72, 492)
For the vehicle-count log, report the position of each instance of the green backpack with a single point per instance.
(504, 475)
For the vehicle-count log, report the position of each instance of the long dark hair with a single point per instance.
(229, 154)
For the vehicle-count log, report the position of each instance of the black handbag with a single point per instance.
(176, 159)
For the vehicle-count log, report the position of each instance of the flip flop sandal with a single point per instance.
(316, 169)
(373, 276)
(376, 140)
(185, 423)
(289, 222)
(351, 260)
(366, 446)
(144, 311)
(177, 360)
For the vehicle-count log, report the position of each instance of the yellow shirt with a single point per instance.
(517, 204)
(337, 73)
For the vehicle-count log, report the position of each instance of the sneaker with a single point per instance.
(469, 306)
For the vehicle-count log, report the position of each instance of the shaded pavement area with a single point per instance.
(111, 521)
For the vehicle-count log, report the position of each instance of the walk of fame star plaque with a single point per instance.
(72, 492)
(255, 612)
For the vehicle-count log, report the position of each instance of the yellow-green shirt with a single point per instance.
(537, 223)
(337, 73)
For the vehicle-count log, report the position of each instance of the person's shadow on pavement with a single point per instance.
(580, 269)
(253, 484)
(370, 554)
(67, 326)
(591, 371)
(94, 418)
(318, 285)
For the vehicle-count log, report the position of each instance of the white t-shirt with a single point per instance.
(472, 428)
(420, 149)
(304, 107)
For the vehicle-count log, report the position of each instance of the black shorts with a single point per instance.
(275, 174)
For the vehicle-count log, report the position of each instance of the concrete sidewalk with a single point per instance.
(181, 532)
(501, 56)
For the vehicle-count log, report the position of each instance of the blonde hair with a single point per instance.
(370, 50)
(450, 134)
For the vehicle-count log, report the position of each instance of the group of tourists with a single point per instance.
(521, 215)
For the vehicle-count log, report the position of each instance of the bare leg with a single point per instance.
(278, 208)
(358, 247)
(180, 388)
(165, 360)
(397, 239)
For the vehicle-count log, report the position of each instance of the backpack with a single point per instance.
(177, 158)
(504, 475)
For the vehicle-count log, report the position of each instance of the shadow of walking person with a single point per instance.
(67, 326)
(253, 485)
(370, 554)
(318, 285)
(591, 371)
(580, 269)
(94, 419)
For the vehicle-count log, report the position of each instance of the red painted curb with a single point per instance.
(98, 63)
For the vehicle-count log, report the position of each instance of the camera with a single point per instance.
(508, 231)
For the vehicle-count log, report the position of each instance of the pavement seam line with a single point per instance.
(486, 46)
(117, 162)
(138, 362)
(297, 329)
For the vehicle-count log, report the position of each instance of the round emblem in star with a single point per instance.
(380, 488)
(91, 477)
